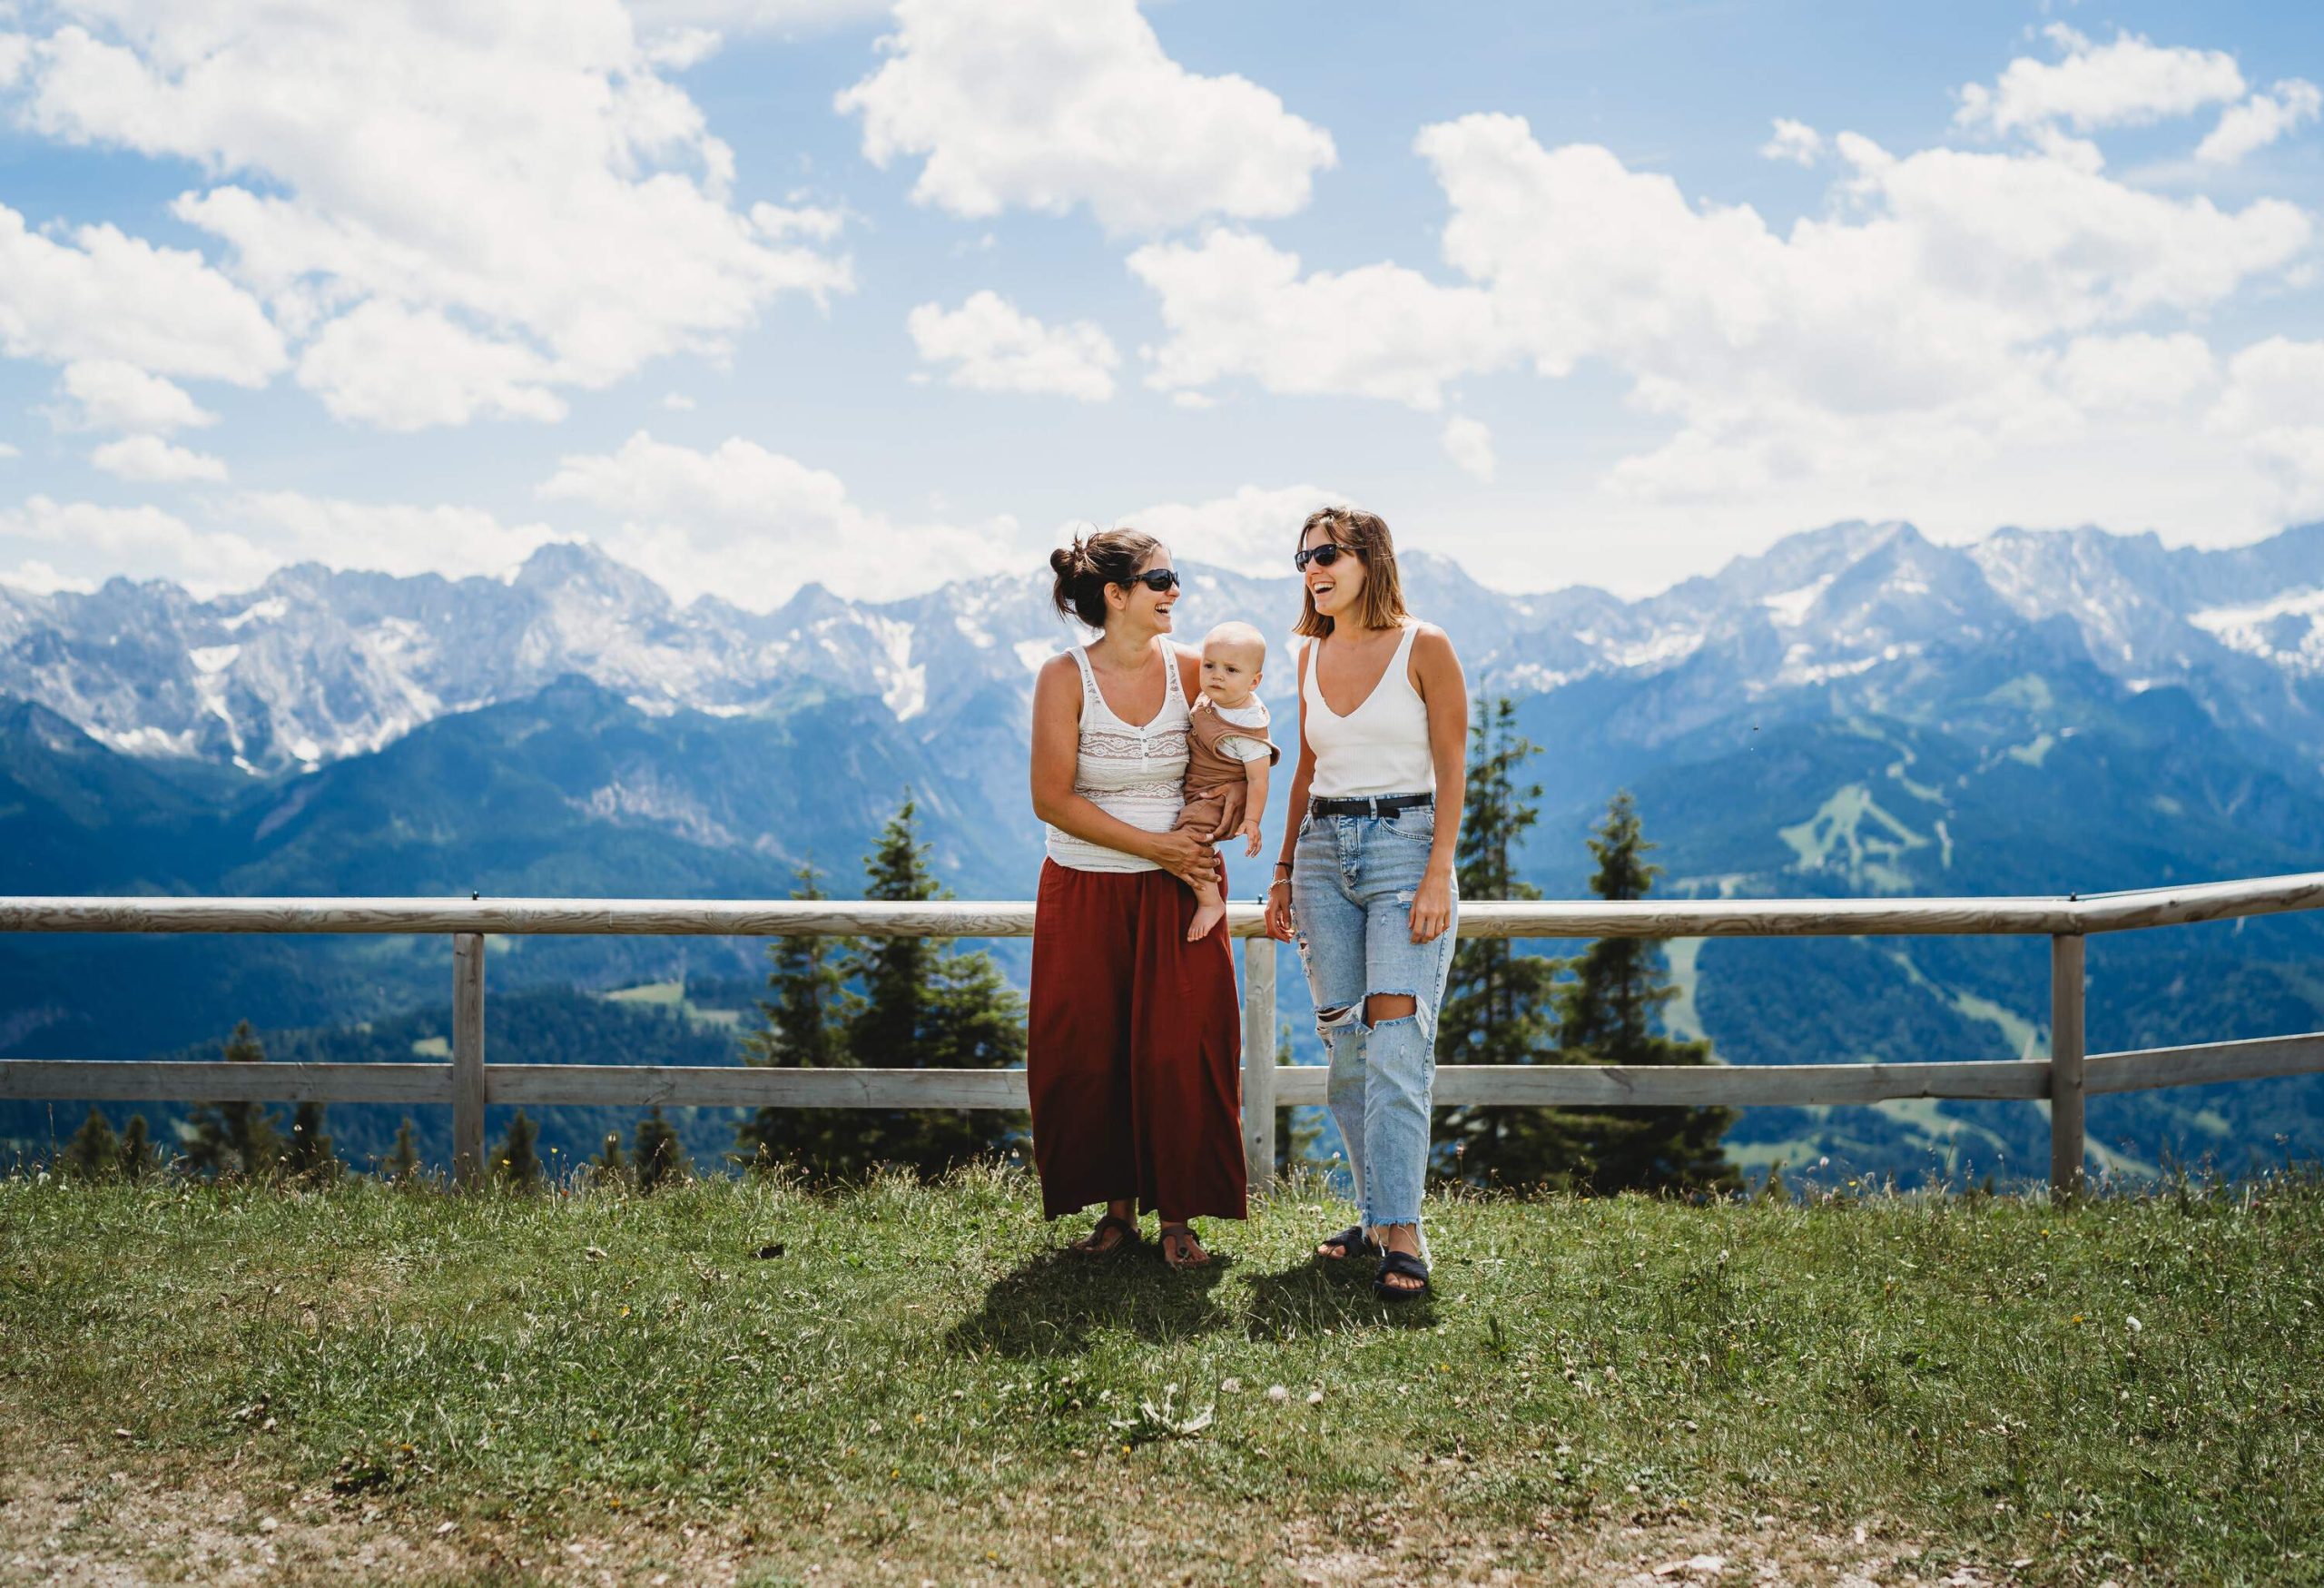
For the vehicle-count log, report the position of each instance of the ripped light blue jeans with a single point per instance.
(1352, 885)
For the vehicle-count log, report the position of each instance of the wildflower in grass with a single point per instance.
(1277, 1394)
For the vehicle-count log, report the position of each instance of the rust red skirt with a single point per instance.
(1133, 1049)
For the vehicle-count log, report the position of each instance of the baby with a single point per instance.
(1227, 745)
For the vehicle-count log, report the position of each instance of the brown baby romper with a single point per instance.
(1211, 771)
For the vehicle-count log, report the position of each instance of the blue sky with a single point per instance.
(759, 291)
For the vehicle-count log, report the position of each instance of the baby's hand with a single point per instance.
(1250, 832)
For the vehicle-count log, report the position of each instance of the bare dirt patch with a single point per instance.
(70, 1515)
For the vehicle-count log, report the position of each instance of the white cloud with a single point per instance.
(1469, 444)
(109, 395)
(1901, 337)
(101, 294)
(2260, 121)
(1045, 104)
(1238, 305)
(2103, 374)
(778, 16)
(994, 347)
(682, 49)
(751, 527)
(2273, 405)
(2129, 82)
(517, 185)
(142, 541)
(153, 460)
(15, 55)
(37, 576)
(391, 538)
(1959, 336)
(1254, 531)
(677, 402)
(1794, 141)
(404, 369)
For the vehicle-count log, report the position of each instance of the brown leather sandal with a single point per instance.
(1089, 1245)
(1183, 1234)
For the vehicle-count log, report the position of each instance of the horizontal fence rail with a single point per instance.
(468, 1085)
(2043, 917)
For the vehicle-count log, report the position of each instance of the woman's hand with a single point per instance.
(1280, 924)
(1184, 856)
(1433, 905)
(1233, 801)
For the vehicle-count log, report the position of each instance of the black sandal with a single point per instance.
(1086, 1246)
(1185, 1232)
(1405, 1264)
(1352, 1243)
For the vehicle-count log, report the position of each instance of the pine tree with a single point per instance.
(94, 1153)
(518, 1165)
(1497, 1002)
(1607, 1014)
(972, 1019)
(922, 1003)
(806, 1028)
(138, 1158)
(893, 972)
(309, 1157)
(402, 1165)
(607, 1168)
(243, 1139)
(661, 1156)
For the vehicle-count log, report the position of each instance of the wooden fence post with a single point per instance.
(1258, 1061)
(468, 1059)
(2067, 1042)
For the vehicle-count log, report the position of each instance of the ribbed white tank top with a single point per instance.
(1379, 748)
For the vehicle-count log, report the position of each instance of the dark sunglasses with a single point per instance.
(1323, 556)
(1156, 579)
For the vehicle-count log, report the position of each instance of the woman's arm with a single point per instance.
(1056, 748)
(1436, 674)
(1255, 788)
(1280, 924)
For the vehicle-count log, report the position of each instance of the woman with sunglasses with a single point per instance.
(1134, 1039)
(1365, 883)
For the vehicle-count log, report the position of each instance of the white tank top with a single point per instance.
(1134, 775)
(1379, 748)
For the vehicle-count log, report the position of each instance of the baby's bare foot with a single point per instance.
(1206, 917)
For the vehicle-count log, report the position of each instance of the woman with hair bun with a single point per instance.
(1134, 1040)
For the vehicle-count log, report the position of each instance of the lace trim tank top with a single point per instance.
(1379, 748)
(1134, 774)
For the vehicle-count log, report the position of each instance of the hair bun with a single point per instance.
(1084, 569)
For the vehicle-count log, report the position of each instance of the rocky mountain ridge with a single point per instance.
(317, 666)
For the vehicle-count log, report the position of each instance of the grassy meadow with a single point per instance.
(404, 1384)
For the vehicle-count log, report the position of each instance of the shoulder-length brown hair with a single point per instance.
(1366, 534)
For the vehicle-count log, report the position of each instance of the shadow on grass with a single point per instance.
(1312, 1296)
(1051, 1305)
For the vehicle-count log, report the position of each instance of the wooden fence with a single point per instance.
(467, 1083)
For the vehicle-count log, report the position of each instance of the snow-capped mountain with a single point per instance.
(316, 666)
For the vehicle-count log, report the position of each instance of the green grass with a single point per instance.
(924, 1379)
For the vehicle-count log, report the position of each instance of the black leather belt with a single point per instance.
(1370, 805)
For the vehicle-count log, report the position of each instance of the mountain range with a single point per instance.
(1855, 710)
